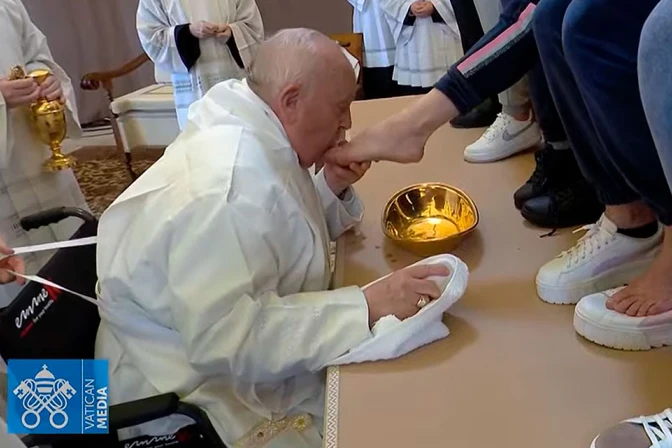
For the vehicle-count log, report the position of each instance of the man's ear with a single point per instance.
(288, 100)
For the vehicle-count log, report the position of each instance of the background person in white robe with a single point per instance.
(379, 48)
(24, 188)
(214, 265)
(427, 42)
(200, 42)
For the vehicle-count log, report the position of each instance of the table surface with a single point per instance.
(513, 373)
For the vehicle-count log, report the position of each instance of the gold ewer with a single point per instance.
(48, 118)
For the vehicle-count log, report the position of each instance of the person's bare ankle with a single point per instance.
(629, 216)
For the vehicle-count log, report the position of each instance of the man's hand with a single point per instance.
(341, 177)
(423, 9)
(400, 293)
(19, 92)
(15, 264)
(203, 29)
(224, 32)
(51, 89)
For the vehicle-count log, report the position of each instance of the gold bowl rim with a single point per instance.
(460, 192)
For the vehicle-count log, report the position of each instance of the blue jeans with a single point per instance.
(655, 80)
(588, 49)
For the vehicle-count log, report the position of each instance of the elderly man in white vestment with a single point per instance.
(214, 265)
(24, 188)
(199, 42)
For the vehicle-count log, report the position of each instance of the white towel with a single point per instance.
(393, 338)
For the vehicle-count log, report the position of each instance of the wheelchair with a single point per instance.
(66, 329)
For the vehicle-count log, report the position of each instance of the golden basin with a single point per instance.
(429, 219)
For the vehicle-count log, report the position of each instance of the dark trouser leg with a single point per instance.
(602, 37)
(378, 82)
(468, 22)
(548, 29)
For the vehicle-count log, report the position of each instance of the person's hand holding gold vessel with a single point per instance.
(47, 109)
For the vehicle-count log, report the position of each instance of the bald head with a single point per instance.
(305, 78)
(297, 56)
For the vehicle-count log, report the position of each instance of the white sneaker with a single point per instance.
(654, 431)
(504, 138)
(595, 322)
(602, 259)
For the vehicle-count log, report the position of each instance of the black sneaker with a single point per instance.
(573, 204)
(553, 167)
(480, 116)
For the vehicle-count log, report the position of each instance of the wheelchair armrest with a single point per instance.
(53, 216)
(136, 412)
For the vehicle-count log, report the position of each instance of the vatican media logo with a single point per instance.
(57, 397)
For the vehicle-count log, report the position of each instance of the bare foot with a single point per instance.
(651, 293)
(402, 137)
(389, 140)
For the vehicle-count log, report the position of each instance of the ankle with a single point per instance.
(629, 216)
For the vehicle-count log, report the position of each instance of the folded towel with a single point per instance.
(393, 338)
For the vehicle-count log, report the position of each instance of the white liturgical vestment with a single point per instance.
(213, 275)
(24, 188)
(426, 48)
(379, 45)
(156, 23)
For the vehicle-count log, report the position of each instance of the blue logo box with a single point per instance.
(57, 396)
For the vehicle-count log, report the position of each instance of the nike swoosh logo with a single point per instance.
(508, 137)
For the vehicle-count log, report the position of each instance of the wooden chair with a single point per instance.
(105, 80)
(354, 43)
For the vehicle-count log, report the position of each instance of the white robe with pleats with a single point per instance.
(426, 49)
(379, 45)
(213, 275)
(24, 188)
(156, 22)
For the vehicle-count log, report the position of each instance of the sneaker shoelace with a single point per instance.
(595, 239)
(496, 128)
(659, 429)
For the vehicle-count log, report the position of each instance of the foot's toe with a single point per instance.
(625, 435)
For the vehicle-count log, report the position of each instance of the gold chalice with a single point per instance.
(48, 118)
(429, 219)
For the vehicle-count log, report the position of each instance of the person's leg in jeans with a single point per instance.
(589, 49)
(557, 194)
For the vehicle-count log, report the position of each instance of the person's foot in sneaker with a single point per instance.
(505, 137)
(552, 168)
(569, 203)
(605, 257)
(654, 431)
(595, 322)
(636, 317)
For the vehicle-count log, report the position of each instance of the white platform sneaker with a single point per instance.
(654, 431)
(504, 138)
(595, 322)
(602, 259)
